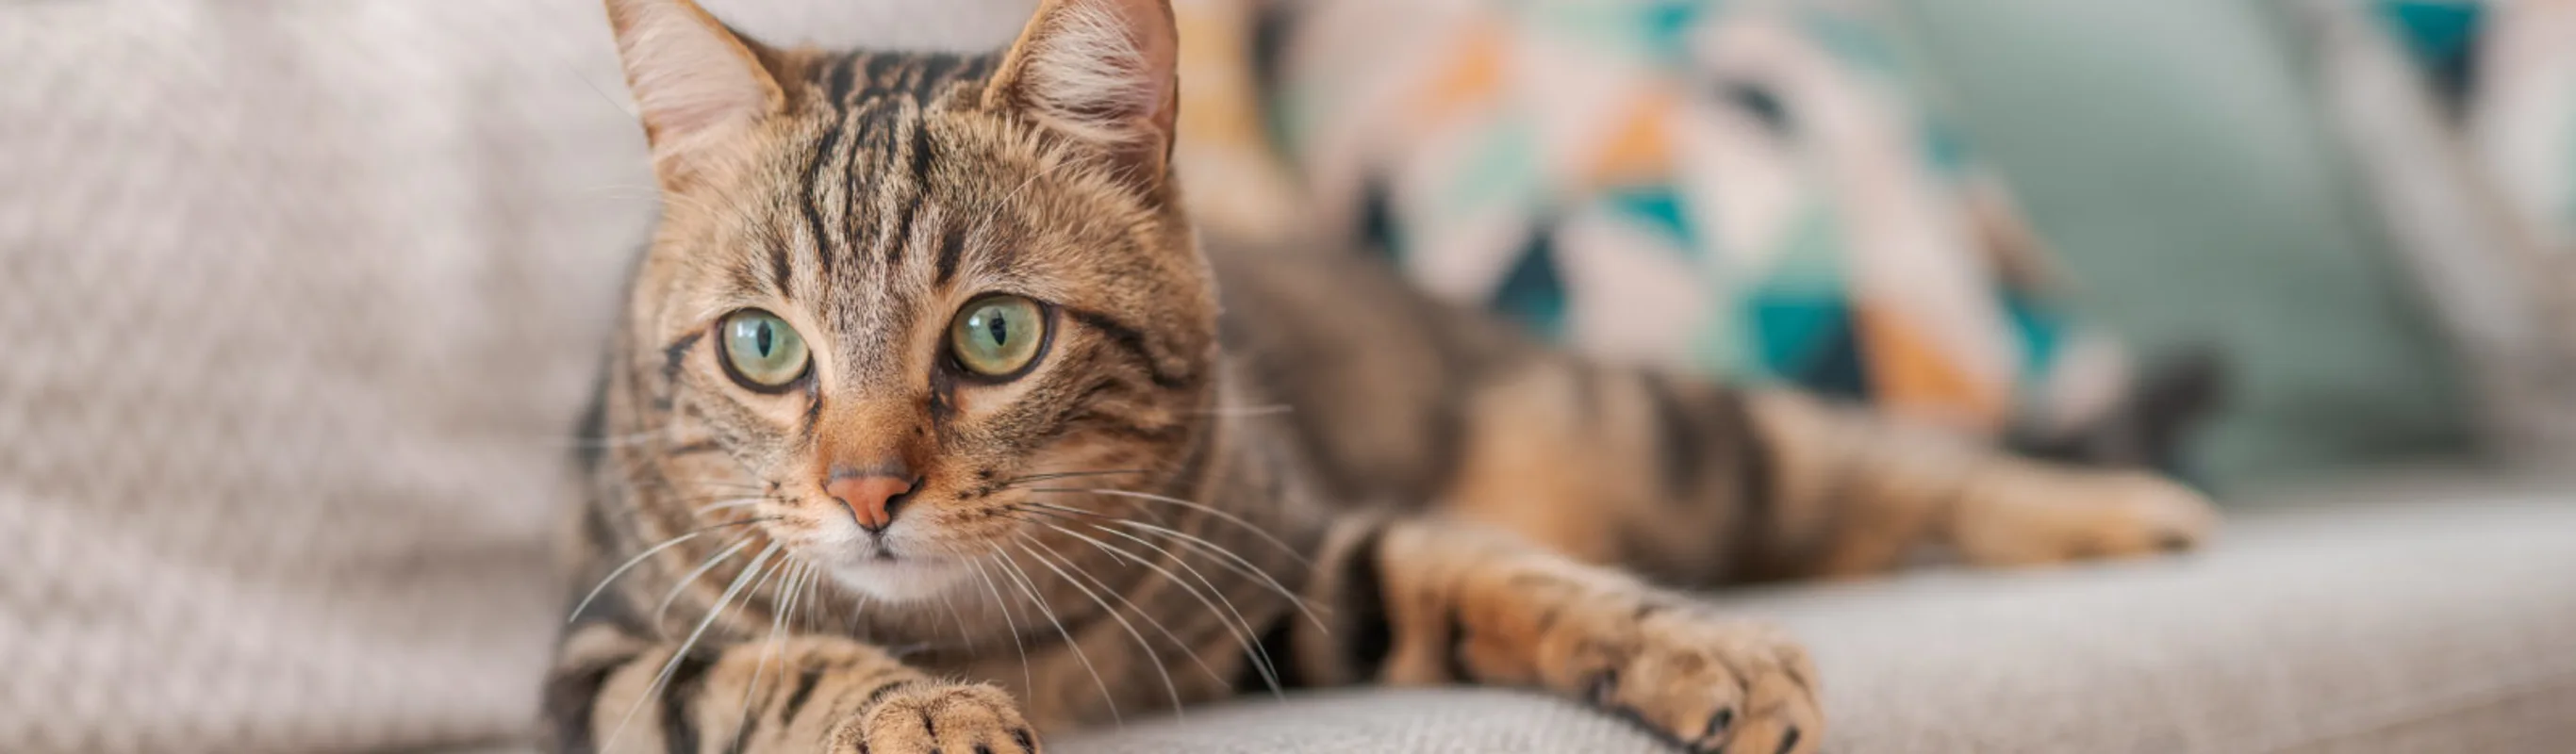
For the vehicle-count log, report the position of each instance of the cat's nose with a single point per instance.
(873, 496)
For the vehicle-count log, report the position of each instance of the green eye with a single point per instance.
(998, 336)
(761, 351)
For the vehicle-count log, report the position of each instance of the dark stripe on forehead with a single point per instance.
(781, 271)
(814, 171)
(878, 119)
(936, 73)
(877, 68)
(921, 77)
(918, 158)
(952, 246)
(922, 151)
(837, 81)
(853, 171)
(974, 69)
(882, 101)
(909, 79)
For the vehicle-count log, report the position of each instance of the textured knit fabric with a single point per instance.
(304, 296)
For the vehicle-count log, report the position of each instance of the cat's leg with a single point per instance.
(1690, 481)
(611, 691)
(1855, 493)
(1678, 477)
(1426, 601)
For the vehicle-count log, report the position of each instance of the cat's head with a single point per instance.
(891, 294)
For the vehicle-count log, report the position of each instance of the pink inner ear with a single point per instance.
(689, 75)
(1103, 68)
(685, 102)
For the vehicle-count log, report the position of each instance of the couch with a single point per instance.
(306, 294)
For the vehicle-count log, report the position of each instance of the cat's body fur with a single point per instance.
(1319, 477)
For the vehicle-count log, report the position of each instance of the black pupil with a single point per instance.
(764, 338)
(994, 324)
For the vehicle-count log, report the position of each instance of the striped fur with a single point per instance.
(1326, 479)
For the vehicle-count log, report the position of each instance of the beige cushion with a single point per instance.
(303, 297)
(306, 304)
(2445, 623)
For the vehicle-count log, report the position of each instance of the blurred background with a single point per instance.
(308, 292)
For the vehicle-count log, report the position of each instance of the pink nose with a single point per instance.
(872, 498)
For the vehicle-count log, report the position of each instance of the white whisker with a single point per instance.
(1232, 562)
(720, 557)
(1030, 588)
(1150, 655)
(1228, 517)
(1242, 636)
(1227, 558)
(630, 563)
(964, 640)
(1007, 621)
(1117, 554)
(731, 504)
(760, 667)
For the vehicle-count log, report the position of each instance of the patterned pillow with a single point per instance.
(1754, 188)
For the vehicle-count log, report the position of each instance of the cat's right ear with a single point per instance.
(697, 84)
(1104, 72)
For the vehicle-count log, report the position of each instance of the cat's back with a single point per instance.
(1362, 369)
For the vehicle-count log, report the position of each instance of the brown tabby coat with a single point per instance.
(1321, 478)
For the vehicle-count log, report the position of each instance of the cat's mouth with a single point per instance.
(894, 565)
(885, 575)
(880, 549)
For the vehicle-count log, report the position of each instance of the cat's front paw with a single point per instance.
(928, 718)
(1716, 686)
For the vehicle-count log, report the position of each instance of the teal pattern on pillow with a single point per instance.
(1760, 189)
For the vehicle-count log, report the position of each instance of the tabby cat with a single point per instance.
(929, 427)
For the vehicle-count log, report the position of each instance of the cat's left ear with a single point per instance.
(1101, 71)
(697, 84)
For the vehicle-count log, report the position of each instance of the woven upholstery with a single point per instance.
(304, 293)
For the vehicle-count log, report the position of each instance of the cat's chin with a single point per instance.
(904, 580)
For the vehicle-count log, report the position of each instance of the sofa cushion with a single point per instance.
(309, 292)
(2416, 617)
(303, 297)
(2422, 613)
